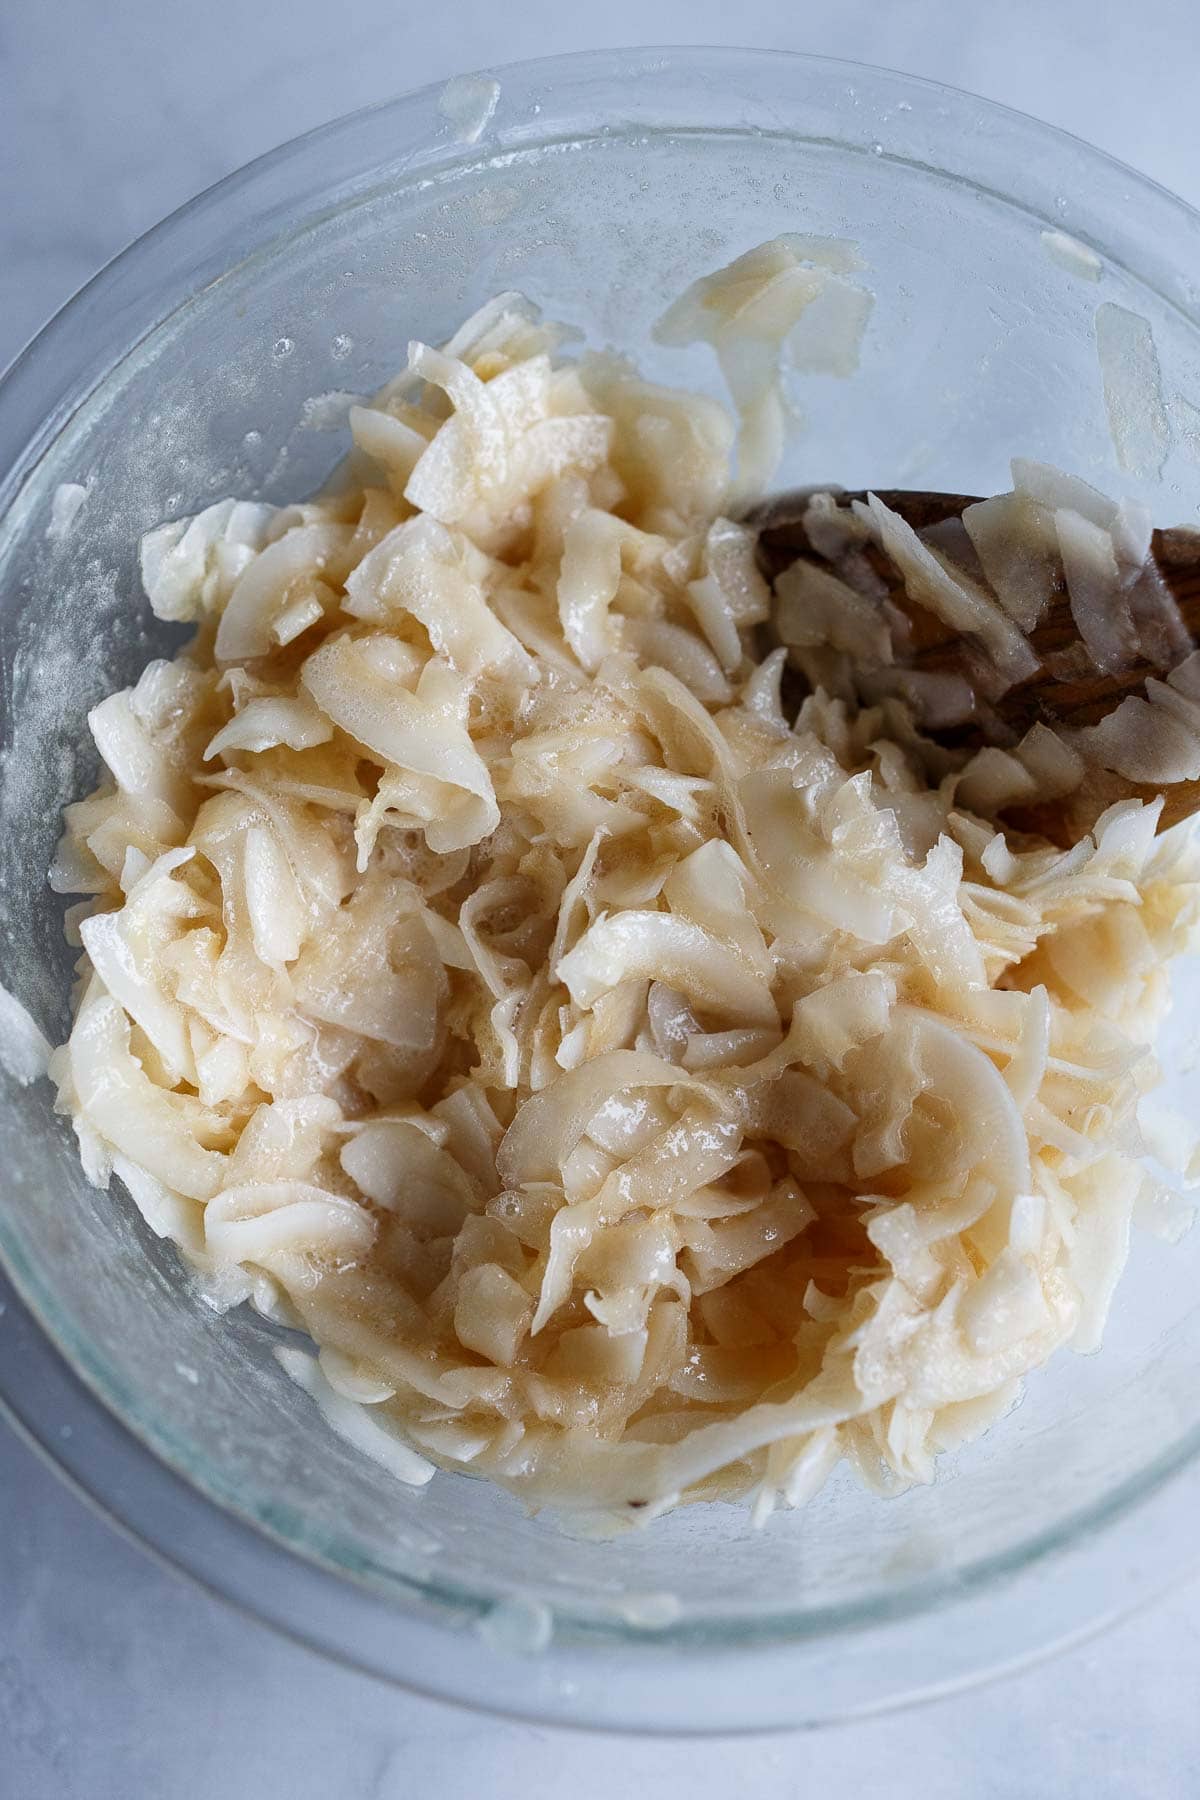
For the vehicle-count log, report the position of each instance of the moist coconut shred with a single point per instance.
(637, 1089)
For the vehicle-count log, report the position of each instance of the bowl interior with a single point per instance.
(601, 189)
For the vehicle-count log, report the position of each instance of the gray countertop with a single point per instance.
(118, 1680)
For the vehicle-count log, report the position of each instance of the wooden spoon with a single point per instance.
(1079, 698)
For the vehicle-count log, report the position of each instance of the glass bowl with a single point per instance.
(602, 185)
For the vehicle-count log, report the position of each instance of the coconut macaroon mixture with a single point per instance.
(638, 1088)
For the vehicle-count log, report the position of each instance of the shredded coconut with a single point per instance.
(794, 292)
(637, 1092)
(468, 102)
(65, 503)
(24, 1048)
(1133, 396)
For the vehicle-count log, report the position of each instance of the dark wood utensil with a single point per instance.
(1063, 692)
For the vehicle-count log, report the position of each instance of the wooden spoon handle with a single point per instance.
(1066, 690)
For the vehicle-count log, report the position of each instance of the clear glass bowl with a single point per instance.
(603, 184)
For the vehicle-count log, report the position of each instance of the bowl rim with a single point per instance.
(137, 1487)
(630, 1685)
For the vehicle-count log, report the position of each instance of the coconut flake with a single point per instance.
(364, 1429)
(1185, 678)
(954, 597)
(65, 503)
(1163, 637)
(24, 1049)
(1019, 557)
(1132, 531)
(749, 310)
(1098, 606)
(939, 698)
(746, 311)
(1054, 765)
(468, 102)
(994, 779)
(1143, 742)
(1133, 396)
(833, 530)
(828, 338)
(1055, 489)
(814, 607)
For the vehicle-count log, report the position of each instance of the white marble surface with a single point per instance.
(117, 1680)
